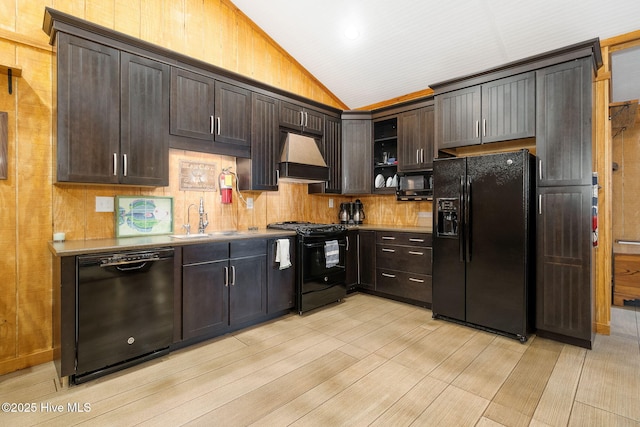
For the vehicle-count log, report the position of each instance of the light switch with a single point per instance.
(330, 203)
(249, 202)
(104, 204)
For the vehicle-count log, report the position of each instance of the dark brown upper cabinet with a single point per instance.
(112, 115)
(563, 137)
(209, 115)
(259, 172)
(332, 153)
(331, 149)
(416, 140)
(300, 119)
(499, 110)
(144, 100)
(357, 152)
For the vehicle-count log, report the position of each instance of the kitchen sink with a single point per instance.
(225, 233)
(199, 235)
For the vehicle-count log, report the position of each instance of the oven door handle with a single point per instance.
(319, 245)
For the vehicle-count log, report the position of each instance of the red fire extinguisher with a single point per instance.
(226, 185)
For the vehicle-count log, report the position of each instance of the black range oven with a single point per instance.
(320, 271)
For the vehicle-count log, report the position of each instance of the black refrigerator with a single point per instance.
(484, 242)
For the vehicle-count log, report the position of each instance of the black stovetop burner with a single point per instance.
(308, 228)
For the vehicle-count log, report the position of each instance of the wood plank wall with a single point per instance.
(603, 159)
(33, 208)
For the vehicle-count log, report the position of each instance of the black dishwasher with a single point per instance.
(124, 312)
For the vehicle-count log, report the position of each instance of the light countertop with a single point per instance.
(80, 247)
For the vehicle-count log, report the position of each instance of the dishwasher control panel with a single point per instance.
(116, 259)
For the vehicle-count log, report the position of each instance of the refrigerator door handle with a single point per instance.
(467, 220)
(461, 225)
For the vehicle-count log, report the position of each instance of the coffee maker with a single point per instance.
(358, 212)
(351, 213)
(345, 213)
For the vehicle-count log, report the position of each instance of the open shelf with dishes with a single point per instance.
(385, 155)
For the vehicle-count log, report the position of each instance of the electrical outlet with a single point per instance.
(104, 204)
(249, 202)
(330, 203)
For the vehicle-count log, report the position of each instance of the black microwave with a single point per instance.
(415, 186)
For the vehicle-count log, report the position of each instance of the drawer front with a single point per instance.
(401, 238)
(205, 252)
(412, 259)
(249, 247)
(405, 285)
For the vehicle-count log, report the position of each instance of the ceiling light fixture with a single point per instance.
(351, 32)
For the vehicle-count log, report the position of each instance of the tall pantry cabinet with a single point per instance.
(564, 291)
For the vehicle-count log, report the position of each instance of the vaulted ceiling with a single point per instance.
(403, 46)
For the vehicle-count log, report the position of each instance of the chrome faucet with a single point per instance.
(204, 219)
(187, 226)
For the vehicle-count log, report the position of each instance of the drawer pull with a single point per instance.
(411, 279)
(388, 238)
(417, 240)
(392, 276)
(388, 250)
(416, 253)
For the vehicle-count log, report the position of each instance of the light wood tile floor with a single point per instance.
(365, 361)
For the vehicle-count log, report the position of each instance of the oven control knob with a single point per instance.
(131, 340)
(326, 279)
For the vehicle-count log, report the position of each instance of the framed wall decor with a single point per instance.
(143, 216)
(197, 176)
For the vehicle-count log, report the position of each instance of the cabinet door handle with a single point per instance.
(416, 280)
(233, 275)
(218, 125)
(125, 167)
(417, 155)
(422, 155)
(388, 250)
(539, 204)
(416, 240)
(477, 128)
(347, 248)
(211, 125)
(115, 164)
(388, 238)
(392, 276)
(277, 176)
(540, 169)
(416, 253)
(484, 127)
(306, 119)
(226, 276)
(301, 118)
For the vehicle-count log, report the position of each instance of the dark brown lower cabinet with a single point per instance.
(367, 259)
(403, 266)
(224, 286)
(352, 260)
(564, 301)
(205, 299)
(280, 283)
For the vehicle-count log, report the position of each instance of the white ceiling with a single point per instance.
(406, 45)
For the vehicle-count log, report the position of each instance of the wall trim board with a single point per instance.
(25, 40)
(23, 362)
(4, 142)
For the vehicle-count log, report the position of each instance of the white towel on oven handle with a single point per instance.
(331, 253)
(282, 253)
